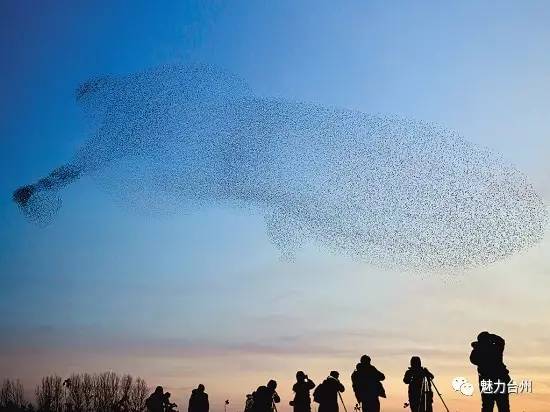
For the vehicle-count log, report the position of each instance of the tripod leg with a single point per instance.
(440, 397)
(422, 396)
(341, 400)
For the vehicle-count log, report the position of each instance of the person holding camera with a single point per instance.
(169, 406)
(265, 397)
(155, 402)
(420, 392)
(487, 354)
(302, 387)
(327, 393)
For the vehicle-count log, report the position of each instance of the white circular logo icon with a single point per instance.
(458, 382)
(467, 389)
(461, 384)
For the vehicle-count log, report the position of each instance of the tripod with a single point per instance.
(426, 396)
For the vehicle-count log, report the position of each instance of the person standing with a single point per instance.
(302, 387)
(488, 355)
(265, 397)
(198, 402)
(155, 402)
(326, 394)
(168, 405)
(367, 385)
(420, 391)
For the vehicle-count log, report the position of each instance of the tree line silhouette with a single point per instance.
(107, 391)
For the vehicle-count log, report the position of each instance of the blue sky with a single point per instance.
(212, 278)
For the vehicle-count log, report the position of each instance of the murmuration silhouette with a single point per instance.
(389, 191)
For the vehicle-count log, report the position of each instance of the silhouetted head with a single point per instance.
(365, 359)
(358, 366)
(483, 336)
(159, 390)
(300, 376)
(167, 395)
(200, 388)
(334, 374)
(416, 362)
(272, 384)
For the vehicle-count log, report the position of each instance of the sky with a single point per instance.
(204, 297)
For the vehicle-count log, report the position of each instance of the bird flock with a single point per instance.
(389, 191)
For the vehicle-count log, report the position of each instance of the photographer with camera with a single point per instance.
(265, 398)
(302, 387)
(487, 354)
(155, 402)
(367, 385)
(169, 406)
(328, 392)
(198, 402)
(420, 391)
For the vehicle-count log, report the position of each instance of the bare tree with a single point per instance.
(12, 395)
(75, 393)
(106, 390)
(124, 393)
(44, 395)
(138, 395)
(88, 392)
(58, 393)
(50, 394)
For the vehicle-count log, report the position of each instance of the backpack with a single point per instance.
(319, 394)
(150, 403)
(249, 403)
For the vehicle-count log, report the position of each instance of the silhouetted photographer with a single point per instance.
(487, 354)
(420, 391)
(367, 385)
(168, 405)
(265, 398)
(326, 394)
(198, 402)
(155, 402)
(302, 387)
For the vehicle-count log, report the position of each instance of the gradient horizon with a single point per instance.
(204, 298)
